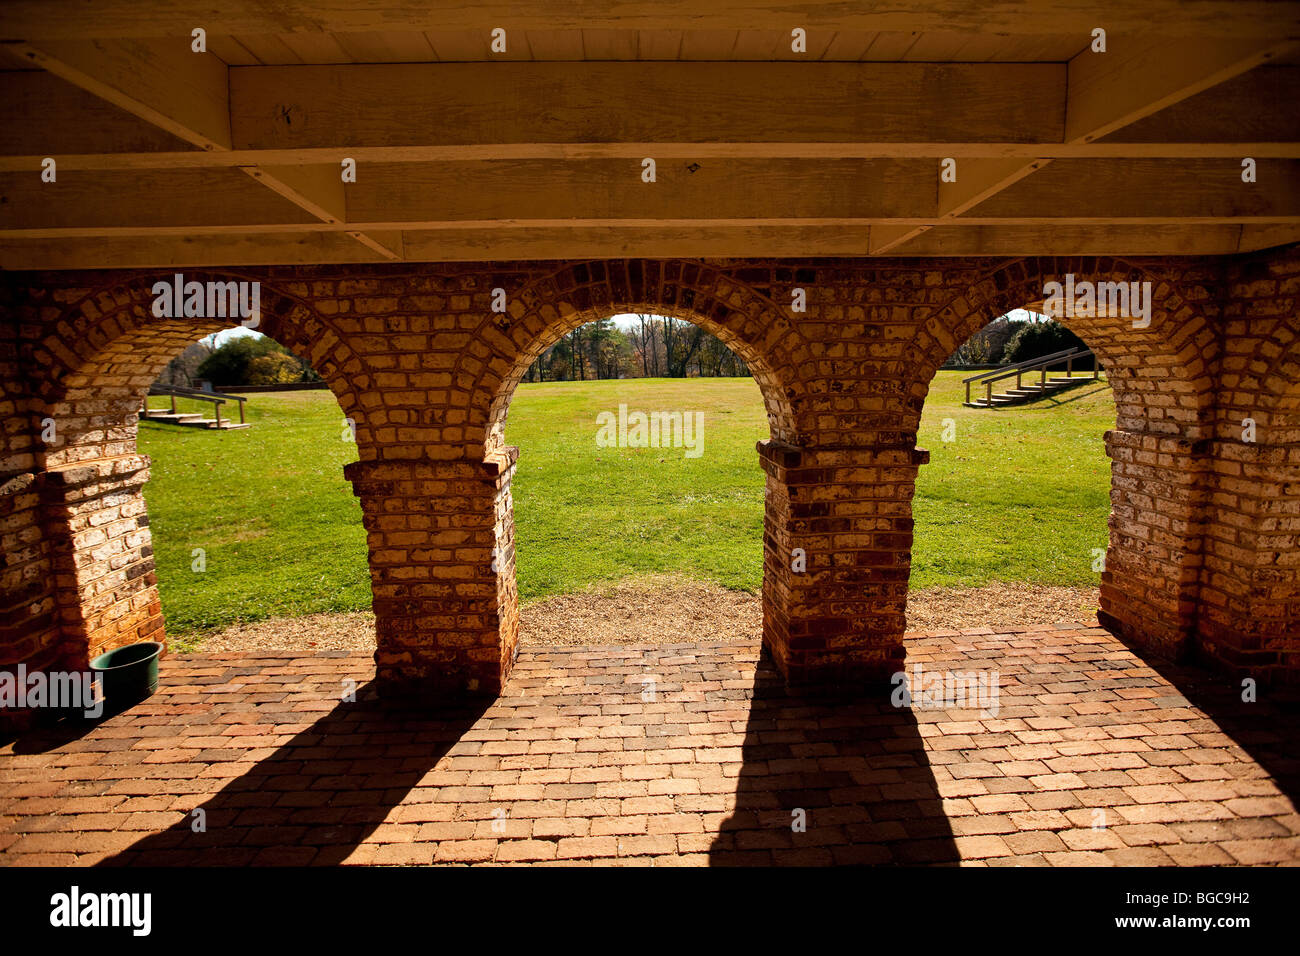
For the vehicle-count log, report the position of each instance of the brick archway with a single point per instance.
(1163, 385)
(101, 351)
(1161, 375)
(106, 347)
(743, 317)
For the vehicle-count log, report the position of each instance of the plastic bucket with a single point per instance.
(128, 674)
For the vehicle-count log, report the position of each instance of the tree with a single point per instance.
(1036, 339)
(273, 368)
(987, 346)
(183, 370)
(230, 364)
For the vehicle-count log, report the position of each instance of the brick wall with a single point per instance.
(1249, 616)
(1202, 529)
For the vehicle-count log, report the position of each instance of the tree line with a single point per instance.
(652, 346)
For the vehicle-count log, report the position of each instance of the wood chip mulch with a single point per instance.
(672, 609)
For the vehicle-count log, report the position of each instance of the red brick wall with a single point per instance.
(1250, 589)
(29, 607)
(418, 359)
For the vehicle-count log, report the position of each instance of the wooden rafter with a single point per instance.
(168, 157)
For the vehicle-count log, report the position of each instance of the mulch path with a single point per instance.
(667, 609)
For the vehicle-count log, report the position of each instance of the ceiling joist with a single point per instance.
(169, 157)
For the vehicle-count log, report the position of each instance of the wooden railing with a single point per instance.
(1068, 356)
(216, 398)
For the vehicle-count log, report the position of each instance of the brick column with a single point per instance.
(839, 623)
(94, 514)
(1149, 588)
(29, 618)
(1250, 595)
(442, 570)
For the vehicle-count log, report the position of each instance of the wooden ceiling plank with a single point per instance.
(708, 44)
(316, 48)
(231, 52)
(269, 50)
(659, 44)
(380, 47)
(609, 44)
(557, 45)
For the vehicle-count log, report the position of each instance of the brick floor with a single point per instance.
(1092, 758)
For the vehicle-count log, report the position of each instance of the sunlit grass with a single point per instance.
(1020, 495)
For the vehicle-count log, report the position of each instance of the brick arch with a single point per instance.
(1161, 375)
(1274, 392)
(745, 319)
(105, 348)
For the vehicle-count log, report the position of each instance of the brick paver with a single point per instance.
(1092, 758)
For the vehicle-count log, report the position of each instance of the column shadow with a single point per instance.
(316, 798)
(856, 767)
(1268, 729)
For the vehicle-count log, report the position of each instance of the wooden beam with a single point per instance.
(1251, 108)
(1077, 240)
(1254, 238)
(978, 179)
(613, 189)
(1135, 78)
(317, 189)
(390, 245)
(606, 241)
(186, 94)
(161, 82)
(377, 234)
(503, 104)
(146, 160)
(894, 195)
(98, 203)
(1132, 189)
(320, 191)
(72, 18)
(189, 250)
(41, 112)
(1248, 116)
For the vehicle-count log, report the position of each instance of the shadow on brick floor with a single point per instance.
(1268, 729)
(317, 797)
(856, 768)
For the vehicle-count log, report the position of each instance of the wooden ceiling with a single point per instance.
(168, 157)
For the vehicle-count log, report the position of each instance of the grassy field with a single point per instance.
(1019, 495)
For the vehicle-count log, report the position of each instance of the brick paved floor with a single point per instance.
(1092, 758)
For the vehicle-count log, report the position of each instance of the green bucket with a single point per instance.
(127, 675)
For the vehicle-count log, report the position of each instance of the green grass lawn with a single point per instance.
(1020, 495)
